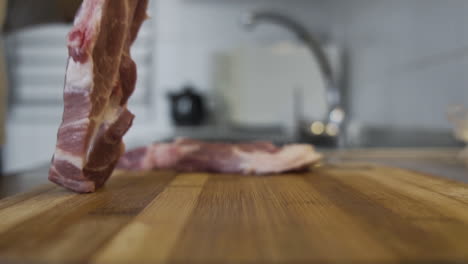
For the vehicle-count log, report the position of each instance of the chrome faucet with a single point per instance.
(332, 124)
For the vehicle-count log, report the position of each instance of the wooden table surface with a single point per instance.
(345, 211)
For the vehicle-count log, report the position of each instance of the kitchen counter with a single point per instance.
(442, 162)
(356, 207)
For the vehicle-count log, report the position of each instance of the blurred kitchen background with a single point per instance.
(336, 73)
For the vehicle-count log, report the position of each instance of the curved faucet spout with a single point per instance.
(250, 20)
(335, 112)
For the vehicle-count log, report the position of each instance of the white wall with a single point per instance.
(408, 58)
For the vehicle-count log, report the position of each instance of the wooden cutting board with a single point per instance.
(354, 213)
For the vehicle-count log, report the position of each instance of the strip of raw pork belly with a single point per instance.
(100, 78)
(246, 158)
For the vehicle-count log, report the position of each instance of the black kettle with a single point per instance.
(187, 107)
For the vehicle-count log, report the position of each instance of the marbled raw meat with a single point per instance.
(100, 78)
(245, 158)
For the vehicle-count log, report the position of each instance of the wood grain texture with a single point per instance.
(347, 213)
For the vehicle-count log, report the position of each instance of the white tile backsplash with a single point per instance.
(407, 57)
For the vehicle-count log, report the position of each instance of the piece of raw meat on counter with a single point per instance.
(189, 155)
